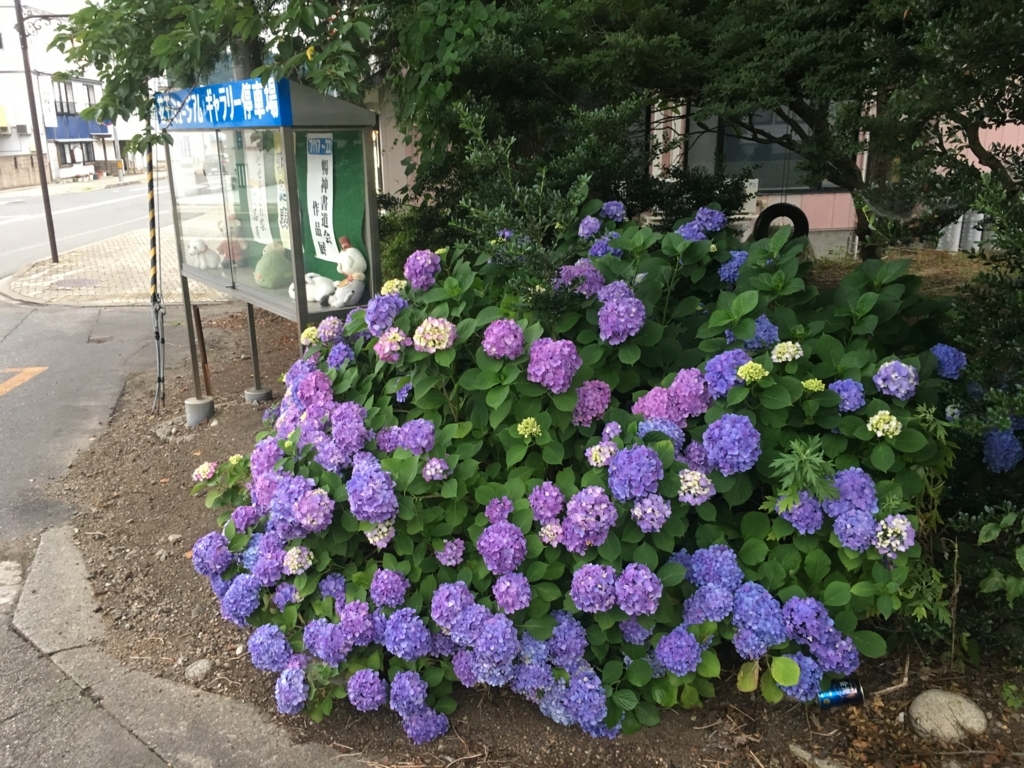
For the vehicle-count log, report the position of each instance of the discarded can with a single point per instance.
(841, 693)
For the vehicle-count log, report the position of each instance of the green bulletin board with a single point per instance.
(349, 194)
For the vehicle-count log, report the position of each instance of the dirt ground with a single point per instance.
(943, 272)
(137, 522)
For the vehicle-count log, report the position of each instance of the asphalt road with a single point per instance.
(79, 218)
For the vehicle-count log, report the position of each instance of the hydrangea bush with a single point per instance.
(700, 458)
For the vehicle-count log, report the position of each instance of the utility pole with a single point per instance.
(40, 158)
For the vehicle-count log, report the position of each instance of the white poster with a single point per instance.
(281, 179)
(320, 194)
(256, 190)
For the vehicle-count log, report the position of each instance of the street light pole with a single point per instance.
(40, 160)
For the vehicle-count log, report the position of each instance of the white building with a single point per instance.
(75, 148)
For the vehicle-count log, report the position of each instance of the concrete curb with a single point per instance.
(179, 724)
(9, 293)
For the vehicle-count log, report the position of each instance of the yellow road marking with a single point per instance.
(22, 375)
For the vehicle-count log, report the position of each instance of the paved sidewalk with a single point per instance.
(69, 187)
(108, 273)
(76, 706)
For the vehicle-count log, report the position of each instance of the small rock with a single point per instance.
(161, 555)
(812, 761)
(174, 538)
(239, 650)
(198, 610)
(946, 716)
(198, 671)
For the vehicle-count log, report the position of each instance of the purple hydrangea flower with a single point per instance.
(711, 220)
(638, 590)
(284, 594)
(720, 372)
(512, 592)
(602, 247)
(809, 684)
(896, 379)
(1002, 451)
(732, 444)
(621, 319)
(355, 623)
(403, 392)
(210, 554)
(442, 646)
(589, 515)
(729, 272)
(668, 428)
(426, 725)
(333, 585)
(553, 364)
(614, 210)
(651, 512)
(555, 703)
(452, 552)
(759, 621)
(436, 470)
(269, 649)
(587, 700)
(766, 334)
(589, 226)
(387, 439)
(634, 472)
(494, 651)
(688, 396)
(695, 487)
(241, 599)
(851, 394)
(406, 636)
(244, 518)
(388, 588)
(421, 269)
(326, 641)
(547, 502)
(389, 346)
(503, 339)
(297, 560)
(371, 490)
(367, 690)
(692, 231)
(314, 511)
(806, 620)
(291, 691)
(568, 641)
(502, 547)
(381, 312)
(805, 515)
(417, 436)
(611, 430)
(593, 588)
(582, 277)
(592, 400)
(462, 665)
(449, 600)
(951, 361)
(709, 603)
(655, 405)
(679, 651)
(853, 512)
(408, 693)
(616, 291)
(633, 632)
(498, 509)
(330, 330)
(532, 680)
(340, 354)
(715, 565)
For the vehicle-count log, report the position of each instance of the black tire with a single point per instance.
(769, 215)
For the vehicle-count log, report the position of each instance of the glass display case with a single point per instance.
(273, 194)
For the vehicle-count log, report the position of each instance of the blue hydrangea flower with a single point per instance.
(291, 691)
(568, 641)
(381, 312)
(269, 649)
(809, 684)
(388, 588)
(679, 651)
(805, 515)
(758, 618)
(495, 651)
(720, 371)
(896, 379)
(729, 272)
(241, 599)
(210, 555)
(333, 585)
(555, 704)
(371, 490)
(587, 700)
(367, 691)
(638, 590)
(692, 231)
(406, 636)
(589, 226)
(732, 443)
(614, 210)
(633, 632)
(1003, 450)
(593, 588)
(426, 725)
(709, 603)
(668, 428)
(951, 361)
(634, 472)
(711, 220)
(851, 394)
(408, 693)
(716, 565)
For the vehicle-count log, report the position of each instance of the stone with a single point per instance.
(198, 671)
(161, 555)
(10, 573)
(946, 716)
(174, 538)
(812, 761)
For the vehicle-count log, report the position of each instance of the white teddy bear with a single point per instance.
(201, 256)
(318, 288)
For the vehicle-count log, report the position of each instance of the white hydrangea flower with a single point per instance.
(787, 351)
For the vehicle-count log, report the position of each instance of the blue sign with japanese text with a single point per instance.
(238, 104)
(319, 146)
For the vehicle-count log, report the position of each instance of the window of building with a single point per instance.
(75, 153)
(64, 98)
(90, 95)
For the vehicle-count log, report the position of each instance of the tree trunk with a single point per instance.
(863, 232)
(246, 55)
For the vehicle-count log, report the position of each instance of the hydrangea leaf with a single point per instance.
(785, 671)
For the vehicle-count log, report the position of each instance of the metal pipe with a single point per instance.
(202, 348)
(253, 348)
(40, 161)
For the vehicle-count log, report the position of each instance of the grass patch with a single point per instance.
(942, 272)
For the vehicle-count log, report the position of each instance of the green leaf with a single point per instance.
(647, 713)
(882, 457)
(639, 673)
(515, 455)
(785, 671)
(612, 673)
(744, 304)
(817, 565)
(629, 353)
(771, 692)
(864, 589)
(837, 594)
(910, 441)
(830, 351)
(746, 680)
(753, 551)
(709, 665)
(540, 627)
(670, 573)
(566, 401)
(624, 698)
(755, 525)
(609, 551)
(496, 396)
(871, 644)
(553, 453)
(547, 591)
(647, 555)
(989, 532)
(776, 397)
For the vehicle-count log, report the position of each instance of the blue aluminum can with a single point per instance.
(841, 693)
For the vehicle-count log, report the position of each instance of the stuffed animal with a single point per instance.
(199, 255)
(319, 289)
(233, 249)
(273, 270)
(350, 260)
(349, 291)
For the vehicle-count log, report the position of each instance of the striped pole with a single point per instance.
(152, 225)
